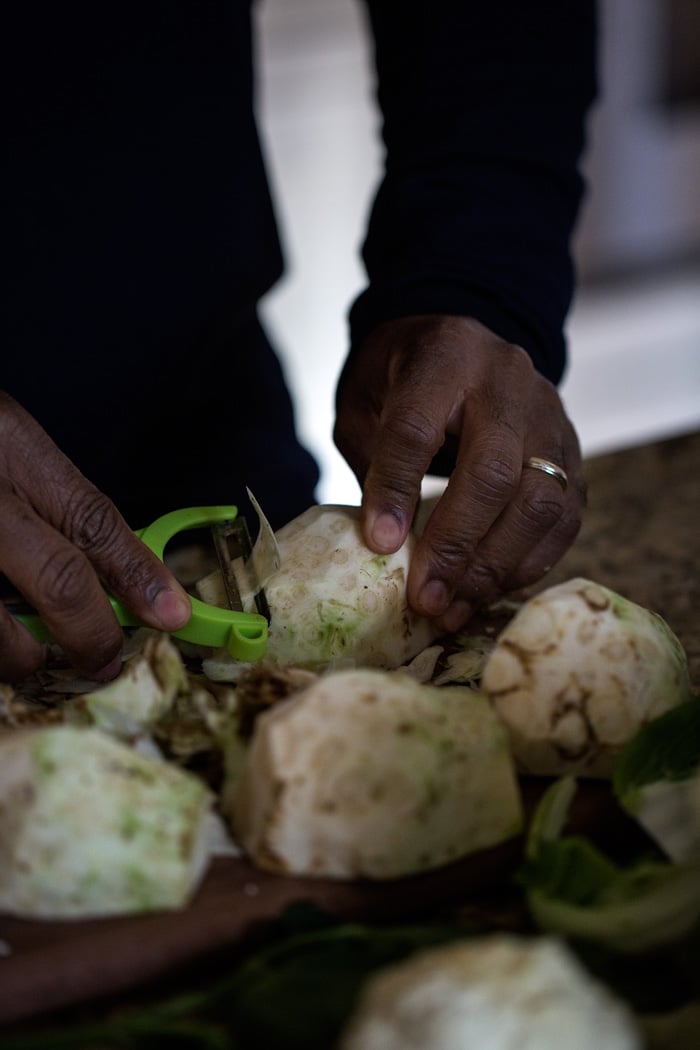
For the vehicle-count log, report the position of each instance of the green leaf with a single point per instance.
(299, 992)
(657, 778)
(666, 749)
(572, 870)
(575, 890)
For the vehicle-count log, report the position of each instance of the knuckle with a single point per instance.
(542, 512)
(64, 579)
(494, 478)
(515, 368)
(93, 522)
(507, 415)
(449, 555)
(519, 358)
(137, 575)
(483, 581)
(412, 432)
(392, 487)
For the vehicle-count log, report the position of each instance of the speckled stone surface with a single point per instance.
(641, 533)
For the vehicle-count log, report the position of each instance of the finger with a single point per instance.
(483, 482)
(64, 498)
(58, 580)
(20, 653)
(548, 544)
(539, 509)
(126, 566)
(411, 430)
(530, 536)
(554, 543)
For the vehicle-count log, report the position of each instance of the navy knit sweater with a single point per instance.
(139, 233)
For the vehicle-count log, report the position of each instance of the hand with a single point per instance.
(428, 384)
(60, 539)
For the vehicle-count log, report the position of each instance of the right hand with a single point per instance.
(61, 542)
(420, 384)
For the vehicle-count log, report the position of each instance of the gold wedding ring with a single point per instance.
(537, 463)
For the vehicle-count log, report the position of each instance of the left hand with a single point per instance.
(420, 383)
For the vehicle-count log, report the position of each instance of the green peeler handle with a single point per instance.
(244, 635)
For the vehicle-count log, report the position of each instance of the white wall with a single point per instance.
(323, 150)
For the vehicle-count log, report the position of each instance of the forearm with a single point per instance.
(484, 111)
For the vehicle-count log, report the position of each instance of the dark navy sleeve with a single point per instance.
(138, 235)
(484, 106)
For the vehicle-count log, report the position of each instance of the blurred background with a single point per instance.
(634, 331)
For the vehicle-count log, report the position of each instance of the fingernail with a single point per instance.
(456, 616)
(109, 671)
(387, 532)
(434, 597)
(172, 609)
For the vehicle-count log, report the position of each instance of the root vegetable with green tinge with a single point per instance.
(333, 600)
(90, 827)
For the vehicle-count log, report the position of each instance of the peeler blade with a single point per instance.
(232, 544)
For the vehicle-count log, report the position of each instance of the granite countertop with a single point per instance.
(641, 533)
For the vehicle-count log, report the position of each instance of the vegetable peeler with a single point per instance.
(243, 634)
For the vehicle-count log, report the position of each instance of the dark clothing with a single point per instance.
(484, 104)
(140, 235)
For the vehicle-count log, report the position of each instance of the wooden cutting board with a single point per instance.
(55, 964)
